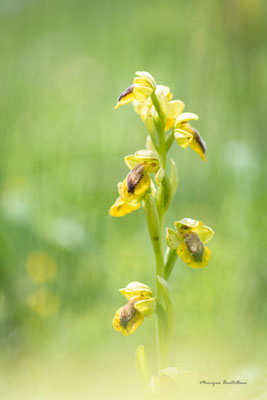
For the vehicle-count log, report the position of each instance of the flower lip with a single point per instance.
(199, 140)
(134, 177)
(195, 246)
(185, 117)
(126, 92)
(127, 313)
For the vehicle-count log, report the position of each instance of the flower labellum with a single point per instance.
(194, 245)
(127, 313)
(134, 177)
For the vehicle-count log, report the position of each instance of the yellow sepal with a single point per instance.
(146, 157)
(146, 306)
(136, 289)
(205, 233)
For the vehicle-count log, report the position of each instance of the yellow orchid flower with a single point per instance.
(131, 192)
(172, 108)
(141, 303)
(143, 86)
(137, 182)
(189, 241)
(186, 135)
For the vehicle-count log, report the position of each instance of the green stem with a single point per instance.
(161, 209)
(154, 223)
(169, 140)
(161, 129)
(154, 226)
(170, 259)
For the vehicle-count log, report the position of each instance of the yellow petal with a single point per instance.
(183, 138)
(121, 208)
(184, 117)
(185, 255)
(132, 325)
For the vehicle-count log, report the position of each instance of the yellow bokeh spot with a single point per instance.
(43, 302)
(41, 267)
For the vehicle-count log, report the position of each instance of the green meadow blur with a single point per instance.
(63, 258)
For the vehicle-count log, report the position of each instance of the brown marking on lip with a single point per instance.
(134, 177)
(195, 246)
(126, 92)
(199, 140)
(127, 313)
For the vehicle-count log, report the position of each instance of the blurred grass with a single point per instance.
(63, 64)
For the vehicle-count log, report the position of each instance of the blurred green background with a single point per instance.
(62, 257)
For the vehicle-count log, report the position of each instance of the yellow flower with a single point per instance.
(172, 108)
(141, 303)
(131, 191)
(137, 182)
(143, 86)
(185, 135)
(189, 241)
(147, 157)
